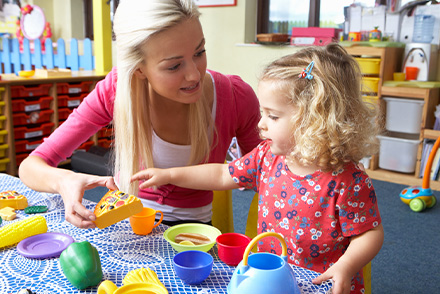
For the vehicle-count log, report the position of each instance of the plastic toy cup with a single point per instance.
(411, 73)
(192, 266)
(143, 222)
(231, 247)
(399, 76)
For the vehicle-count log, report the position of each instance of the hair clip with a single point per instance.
(306, 73)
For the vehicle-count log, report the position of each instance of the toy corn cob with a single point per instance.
(17, 231)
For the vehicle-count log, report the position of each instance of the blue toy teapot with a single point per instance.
(262, 273)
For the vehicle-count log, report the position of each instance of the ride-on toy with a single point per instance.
(419, 198)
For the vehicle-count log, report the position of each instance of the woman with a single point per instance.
(167, 111)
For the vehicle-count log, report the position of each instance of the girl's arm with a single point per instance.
(202, 177)
(360, 252)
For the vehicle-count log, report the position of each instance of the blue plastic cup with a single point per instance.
(192, 266)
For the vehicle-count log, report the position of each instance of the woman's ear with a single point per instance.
(140, 74)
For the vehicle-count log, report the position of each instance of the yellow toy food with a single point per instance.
(15, 232)
(13, 199)
(8, 213)
(114, 207)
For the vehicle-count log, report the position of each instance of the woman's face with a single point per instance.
(175, 62)
(276, 115)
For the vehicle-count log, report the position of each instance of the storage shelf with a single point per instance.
(400, 178)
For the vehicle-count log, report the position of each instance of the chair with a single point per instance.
(222, 215)
(251, 231)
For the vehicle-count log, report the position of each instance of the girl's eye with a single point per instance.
(174, 67)
(200, 53)
(272, 117)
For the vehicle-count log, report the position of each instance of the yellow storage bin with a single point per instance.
(374, 100)
(3, 134)
(369, 66)
(370, 85)
(3, 163)
(2, 122)
(2, 106)
(3, 149)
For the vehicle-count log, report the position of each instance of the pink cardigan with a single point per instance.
(237, 115)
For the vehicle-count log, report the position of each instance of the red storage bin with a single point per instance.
(63, 113)
(74, 88)
(106, 143)
(34, 117)
(105, 132)
(30, 90)
(71, 100)
(27, 145)
(20, 157)
(33, 132)
(31, 105)
(86, 145)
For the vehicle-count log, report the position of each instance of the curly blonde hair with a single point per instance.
(332, 124)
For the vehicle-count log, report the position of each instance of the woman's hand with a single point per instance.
(340, 276)
(72, 189)
(152, 177)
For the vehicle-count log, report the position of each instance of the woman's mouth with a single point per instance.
(192, 88)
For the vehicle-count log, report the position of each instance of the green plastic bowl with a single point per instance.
(207, 230)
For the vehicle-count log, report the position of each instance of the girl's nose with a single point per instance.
(192, 72)
(261, 124)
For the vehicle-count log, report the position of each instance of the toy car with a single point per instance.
(418, 198)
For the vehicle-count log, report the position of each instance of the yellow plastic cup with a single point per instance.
(399, 76)
(144, 222)
(108, 287)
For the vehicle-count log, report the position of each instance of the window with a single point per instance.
(279, 16)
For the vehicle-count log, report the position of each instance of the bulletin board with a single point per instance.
(213, 3)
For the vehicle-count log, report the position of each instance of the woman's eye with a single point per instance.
(200, 53)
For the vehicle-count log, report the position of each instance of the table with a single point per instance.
(120, 251)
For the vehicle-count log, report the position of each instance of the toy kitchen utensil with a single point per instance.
(140, 280)
(262, 273)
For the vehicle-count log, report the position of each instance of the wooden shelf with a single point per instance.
(400, 178)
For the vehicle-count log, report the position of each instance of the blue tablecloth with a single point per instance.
(120, 251)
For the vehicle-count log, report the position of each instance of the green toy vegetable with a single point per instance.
(81, 265)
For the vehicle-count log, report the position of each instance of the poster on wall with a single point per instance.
(211, 3)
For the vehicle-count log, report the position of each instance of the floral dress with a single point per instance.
(316, 214)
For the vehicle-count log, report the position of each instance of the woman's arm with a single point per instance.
(38, 175)
(360, 252)
(201, 177)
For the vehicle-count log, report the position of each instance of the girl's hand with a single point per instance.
(339, 275)
(153, 177)
(72, 190)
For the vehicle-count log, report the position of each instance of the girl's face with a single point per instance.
(175, 62)
(276, 114)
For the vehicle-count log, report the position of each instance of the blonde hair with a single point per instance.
(332, 124)
(135, 22)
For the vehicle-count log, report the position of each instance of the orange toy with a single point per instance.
(13, 199)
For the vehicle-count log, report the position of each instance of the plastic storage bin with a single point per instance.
(35, 117)
(70, 101)
(63, 113)
(74, 88)
(3, 134)
(33, 132)
(105, 132)
(2, 122)
(369, 66)
(20, 157)
(3, 164)
(27, 145)
(3, 149)
(27, 105)
(370, 84)
(2, 106)
(404, 115)
(398, 154)
(30, 90)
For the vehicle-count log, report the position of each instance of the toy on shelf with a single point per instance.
(419, 198)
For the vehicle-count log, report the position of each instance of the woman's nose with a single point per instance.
(192, 72)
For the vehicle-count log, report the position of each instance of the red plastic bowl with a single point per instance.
(231, 247)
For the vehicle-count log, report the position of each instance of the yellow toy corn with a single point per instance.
(15, 232)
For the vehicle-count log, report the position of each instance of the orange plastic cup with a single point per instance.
(144, 222)
(411, 73)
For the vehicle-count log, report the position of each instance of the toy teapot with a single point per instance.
(262, 273)
(136, 281)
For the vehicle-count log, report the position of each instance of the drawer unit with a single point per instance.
(369, 66)
(3, 134)
(71, 101)
(30, 90)
(398, 154)
(404, 115)
(74, 88)
(370, 84)
(22, 146)
(25, 132)
(27, 105)
(34, 117)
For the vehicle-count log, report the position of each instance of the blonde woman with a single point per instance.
(167, 109)
(312, 192)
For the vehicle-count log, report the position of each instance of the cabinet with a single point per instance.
(31, 108)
